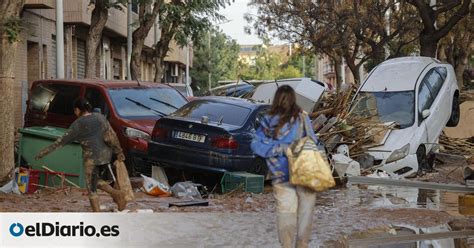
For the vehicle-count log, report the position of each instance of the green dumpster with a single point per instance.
(67, 159)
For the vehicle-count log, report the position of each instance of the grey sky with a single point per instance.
(235, 27)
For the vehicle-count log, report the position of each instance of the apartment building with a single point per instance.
(326, 72)
(36, 52)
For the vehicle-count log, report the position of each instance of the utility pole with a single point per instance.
(129, 39)
(59, 39)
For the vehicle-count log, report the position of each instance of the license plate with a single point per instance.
(190, 137)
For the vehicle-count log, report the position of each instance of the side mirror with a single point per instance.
(425, 113)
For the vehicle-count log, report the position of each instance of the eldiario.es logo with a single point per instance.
(46, 229)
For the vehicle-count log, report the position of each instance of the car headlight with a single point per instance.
(135, 133)
(398, 154)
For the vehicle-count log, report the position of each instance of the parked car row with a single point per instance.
(131, 107)
(156, 123)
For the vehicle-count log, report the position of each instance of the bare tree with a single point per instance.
(438, 19)
(10, 29)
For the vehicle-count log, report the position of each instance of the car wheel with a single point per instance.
(423, 161)
(134, 168)
(260, 167)
(455, 113)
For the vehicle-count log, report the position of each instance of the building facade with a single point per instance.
(326, 72)
(36, 52)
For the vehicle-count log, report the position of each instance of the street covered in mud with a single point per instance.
(248, 123)
(347, 216)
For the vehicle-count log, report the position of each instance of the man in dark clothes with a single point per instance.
(99, 142)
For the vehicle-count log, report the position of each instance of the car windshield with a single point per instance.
(146, 102)
(181, 89)
(216, 112)
(398, 106)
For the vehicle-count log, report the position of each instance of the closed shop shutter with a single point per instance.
(81, 59)
(53, 54)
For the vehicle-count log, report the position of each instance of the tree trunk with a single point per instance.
(428, 45)
(354, 69)
(159, 70)
(9, 11)
(337, 63)
(135, 62)
(147, 20)
(160, 52)
(99, 17)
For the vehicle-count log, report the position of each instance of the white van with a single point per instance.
(421, 96)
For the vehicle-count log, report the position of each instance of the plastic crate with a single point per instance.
(248, 182)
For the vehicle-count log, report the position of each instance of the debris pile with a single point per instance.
(458, 146)
(335, 125)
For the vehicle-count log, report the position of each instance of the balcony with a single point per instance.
(40, 4)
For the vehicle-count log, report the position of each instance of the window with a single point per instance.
(135, 7)
(434, 81)
(63, 101)
(395, 106)
(425, 99)
(136, 103)
(96, 99)
(442, 71)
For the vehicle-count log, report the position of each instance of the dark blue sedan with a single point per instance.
(211, 134)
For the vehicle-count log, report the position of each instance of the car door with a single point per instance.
(441, 105)
(445, 97)
(425, 102)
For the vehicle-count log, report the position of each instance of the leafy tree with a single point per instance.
(179, 20)
(218, 58)
(10, 29)
(354, 30)
(289, 72)
(304, 63)
(99, 17)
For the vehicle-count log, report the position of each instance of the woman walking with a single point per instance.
(99, 142)
(278, 130)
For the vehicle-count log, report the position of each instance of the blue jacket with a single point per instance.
(273, 149)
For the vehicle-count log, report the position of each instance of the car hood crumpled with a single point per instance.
(396, 139)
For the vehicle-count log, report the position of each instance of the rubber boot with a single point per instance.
(117, 195)
(94, 200)
(286, 224)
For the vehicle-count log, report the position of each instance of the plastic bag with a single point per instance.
(152, 187)
(10, 187)
(186, 190)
